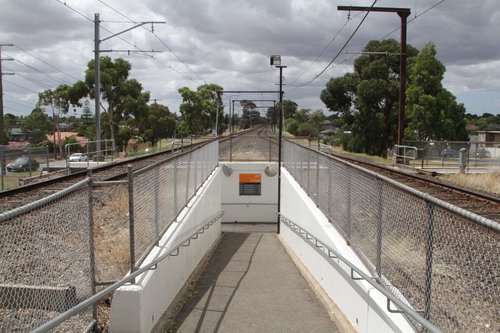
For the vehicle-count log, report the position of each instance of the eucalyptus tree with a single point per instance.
(199, 109)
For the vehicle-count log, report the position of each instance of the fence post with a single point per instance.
(380, 210)
(2, 166)
(91, 242)
(329, 210)
(131, 218)
(308, 170)
(349, 194)
(230, 148)
(428, 261)
(175, 186)
(317, 179)
(157, 205)
(270, 150)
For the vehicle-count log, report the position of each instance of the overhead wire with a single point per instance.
(157, 37)
(341, 49)
(322, 51)
(50, 76)
(385, 36)
(17, 85)
(145, 52)
(45, 62)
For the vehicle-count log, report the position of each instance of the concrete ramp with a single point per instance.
(252, 285)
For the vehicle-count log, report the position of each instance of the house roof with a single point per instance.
(63, 135)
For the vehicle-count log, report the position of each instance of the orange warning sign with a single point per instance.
(255, 178)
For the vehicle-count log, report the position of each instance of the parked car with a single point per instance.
(78, 157)
(447, 152)
(23, 164)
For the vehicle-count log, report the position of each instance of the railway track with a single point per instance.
(17, 197)
(480, 203)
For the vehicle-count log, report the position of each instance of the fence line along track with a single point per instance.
(20, 196)
(483, 204)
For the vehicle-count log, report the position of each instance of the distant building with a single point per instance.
(61, 136)
(490, 138)
(18, 134)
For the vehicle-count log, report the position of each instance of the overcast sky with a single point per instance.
(229, 43)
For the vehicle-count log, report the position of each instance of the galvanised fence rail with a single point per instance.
(48, 248)
(437, 258)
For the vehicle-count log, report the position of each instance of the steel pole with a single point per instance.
(97, 85)
(280, 136)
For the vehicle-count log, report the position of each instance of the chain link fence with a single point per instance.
(18, 165)
(437, 258)
(445, 154)
(46, 251)
(55, 251)
(160, 192)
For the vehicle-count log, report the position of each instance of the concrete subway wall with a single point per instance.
(249, 208)
(361, 304)
(138, 307)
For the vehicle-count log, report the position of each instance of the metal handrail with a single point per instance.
(103, 293)
(327, 253)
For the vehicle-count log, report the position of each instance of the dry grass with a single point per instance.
(112, 246)
(488, 182)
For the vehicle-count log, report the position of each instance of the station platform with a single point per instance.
(251, 284)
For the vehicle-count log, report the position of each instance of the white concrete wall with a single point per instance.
(249, 208)
(137, 308)
(363, 305)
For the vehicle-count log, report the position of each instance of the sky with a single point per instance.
(229, 43)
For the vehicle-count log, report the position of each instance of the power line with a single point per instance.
(43, 61)
(29, 79)
(385, 36)
(398, 28)
(341, 49)
(122, 39)
(157, 37)
(50, 76)
(414, 18)
(17, 85)
(325, 48)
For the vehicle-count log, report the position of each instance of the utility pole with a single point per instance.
(2, 124)
(97, 76)
(276, 62)
(403, 13)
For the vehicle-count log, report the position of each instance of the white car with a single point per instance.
(78, 157)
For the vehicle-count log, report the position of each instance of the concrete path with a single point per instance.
(252, 285)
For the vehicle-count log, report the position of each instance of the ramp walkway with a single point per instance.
(252, 285)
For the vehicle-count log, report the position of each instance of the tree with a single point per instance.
(432, 111)
(161, 123)
(199, 109)
(38, 124)
(370, 94)
(124, 96)
(59, 101)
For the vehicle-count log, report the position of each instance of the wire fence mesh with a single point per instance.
(18, 165)
(46, 261)
(162, 190)
(442, 263)
(480, 155)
